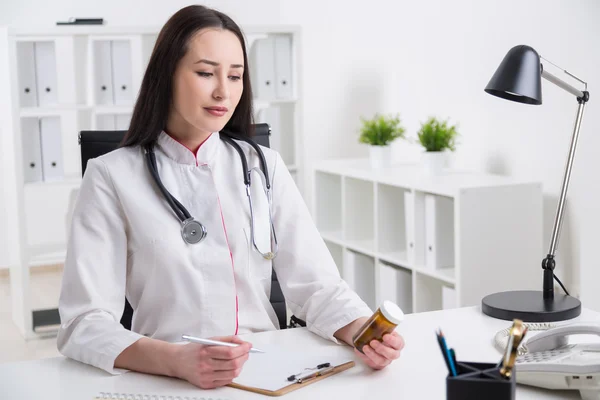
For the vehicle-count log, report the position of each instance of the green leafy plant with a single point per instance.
(436, 135)
(381, 130)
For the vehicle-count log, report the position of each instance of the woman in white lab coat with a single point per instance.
(127, 238)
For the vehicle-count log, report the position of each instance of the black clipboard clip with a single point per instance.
(309, 373)
(82, 21)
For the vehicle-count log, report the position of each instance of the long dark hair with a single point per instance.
(156, 93)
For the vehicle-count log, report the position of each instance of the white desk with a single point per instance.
(419, 374)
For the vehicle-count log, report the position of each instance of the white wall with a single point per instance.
(424, 58)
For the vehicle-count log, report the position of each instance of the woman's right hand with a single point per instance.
(209, 367)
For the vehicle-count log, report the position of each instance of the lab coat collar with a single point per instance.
(182, 155)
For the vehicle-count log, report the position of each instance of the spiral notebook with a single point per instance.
(139, 396)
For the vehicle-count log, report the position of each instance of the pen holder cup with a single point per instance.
(476, 381)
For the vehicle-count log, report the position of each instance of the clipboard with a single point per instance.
(290, 387)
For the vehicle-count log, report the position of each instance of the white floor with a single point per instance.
(45, 288)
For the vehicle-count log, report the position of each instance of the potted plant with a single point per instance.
(436, 137)
(379, 132)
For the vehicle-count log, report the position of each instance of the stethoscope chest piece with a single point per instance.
(192, 231)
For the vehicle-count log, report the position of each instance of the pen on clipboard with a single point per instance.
(210, 342)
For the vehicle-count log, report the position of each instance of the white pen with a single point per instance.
(215, 343)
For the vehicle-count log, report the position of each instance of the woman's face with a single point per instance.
(208, 83)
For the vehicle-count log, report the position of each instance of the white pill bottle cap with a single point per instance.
(392, 312)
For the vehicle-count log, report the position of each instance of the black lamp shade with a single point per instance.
(519, 77)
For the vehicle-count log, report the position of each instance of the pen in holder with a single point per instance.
(476, 381)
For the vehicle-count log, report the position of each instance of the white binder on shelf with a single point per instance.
(122, 72)
(395, 284)
(32, 150)
(359, 273)
(52, 161)
(414, 210)
(263, 69)
(448, 298)
(103, 79)
(26, 68)
(283, 67)
(122, 121)
(105, 122)
(439, 231)
(46, 78)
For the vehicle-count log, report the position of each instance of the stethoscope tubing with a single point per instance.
(190, 226)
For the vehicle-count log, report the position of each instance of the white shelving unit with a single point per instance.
(274, 53)
(62, 80)
(424, 242)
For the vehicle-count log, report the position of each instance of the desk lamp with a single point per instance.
(518, 78)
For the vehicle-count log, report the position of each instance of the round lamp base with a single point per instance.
(530, 306)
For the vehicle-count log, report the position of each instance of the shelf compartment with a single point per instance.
(112, 70)
(38, 63)
(275, 54)
(394, 283)
(391, 221)
(359, 273)
(49, 146)
(359, 214)
(328, 205)
(429, 293)
(37, 76)
(50, 203)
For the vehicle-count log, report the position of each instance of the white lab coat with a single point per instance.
(125, 241)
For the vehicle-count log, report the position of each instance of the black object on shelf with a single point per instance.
(82, 21)
(476, 381)
(44, 319)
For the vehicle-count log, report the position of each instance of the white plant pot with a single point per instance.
(380, 156)
(434, 162)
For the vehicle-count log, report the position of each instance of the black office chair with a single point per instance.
(97, 143)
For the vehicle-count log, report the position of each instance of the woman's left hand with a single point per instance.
(379, 355)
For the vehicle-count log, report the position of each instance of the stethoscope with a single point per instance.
(192, 231)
